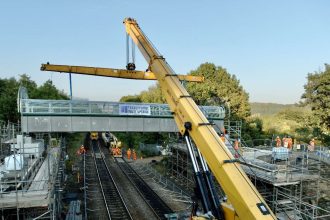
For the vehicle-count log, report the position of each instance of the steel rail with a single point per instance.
(114, 202)
(156, 204)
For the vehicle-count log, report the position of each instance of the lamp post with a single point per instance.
(228, 107)
(70, 86)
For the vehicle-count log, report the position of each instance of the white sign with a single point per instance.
(127, 109)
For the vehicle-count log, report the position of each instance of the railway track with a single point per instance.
(114, 203)
(157, 205)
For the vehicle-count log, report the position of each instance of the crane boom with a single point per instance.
(241, 193)
(110, 72)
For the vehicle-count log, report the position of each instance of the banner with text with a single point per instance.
(129, 109)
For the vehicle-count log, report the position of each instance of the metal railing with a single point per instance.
(74, 107)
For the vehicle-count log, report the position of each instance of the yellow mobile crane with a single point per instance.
(243, 200)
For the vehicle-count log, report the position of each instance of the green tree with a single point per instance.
(297, 114)
(317, 96)
(220, 88)
(293, 121)
(8, 100)
(49, 91)
(8, 95)
(130, 98)
(29, 84)
(153, 95)
(252, 131)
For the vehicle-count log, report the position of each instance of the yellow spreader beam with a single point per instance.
(110, 72)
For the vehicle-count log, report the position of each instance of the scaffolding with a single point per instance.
(295, 188)
(179, 166)
(233, 129)
(32, 189)
(8, 132)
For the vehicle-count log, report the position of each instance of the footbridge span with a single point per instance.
(83, 116)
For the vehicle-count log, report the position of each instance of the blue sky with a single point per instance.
(270, 46)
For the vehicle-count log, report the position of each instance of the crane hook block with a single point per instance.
(187, 125)
(130, 66)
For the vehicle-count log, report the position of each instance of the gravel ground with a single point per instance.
(172, 199)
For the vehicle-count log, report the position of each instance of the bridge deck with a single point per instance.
(92, 108)
(81, 116)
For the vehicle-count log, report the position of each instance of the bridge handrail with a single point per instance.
(78, 107)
